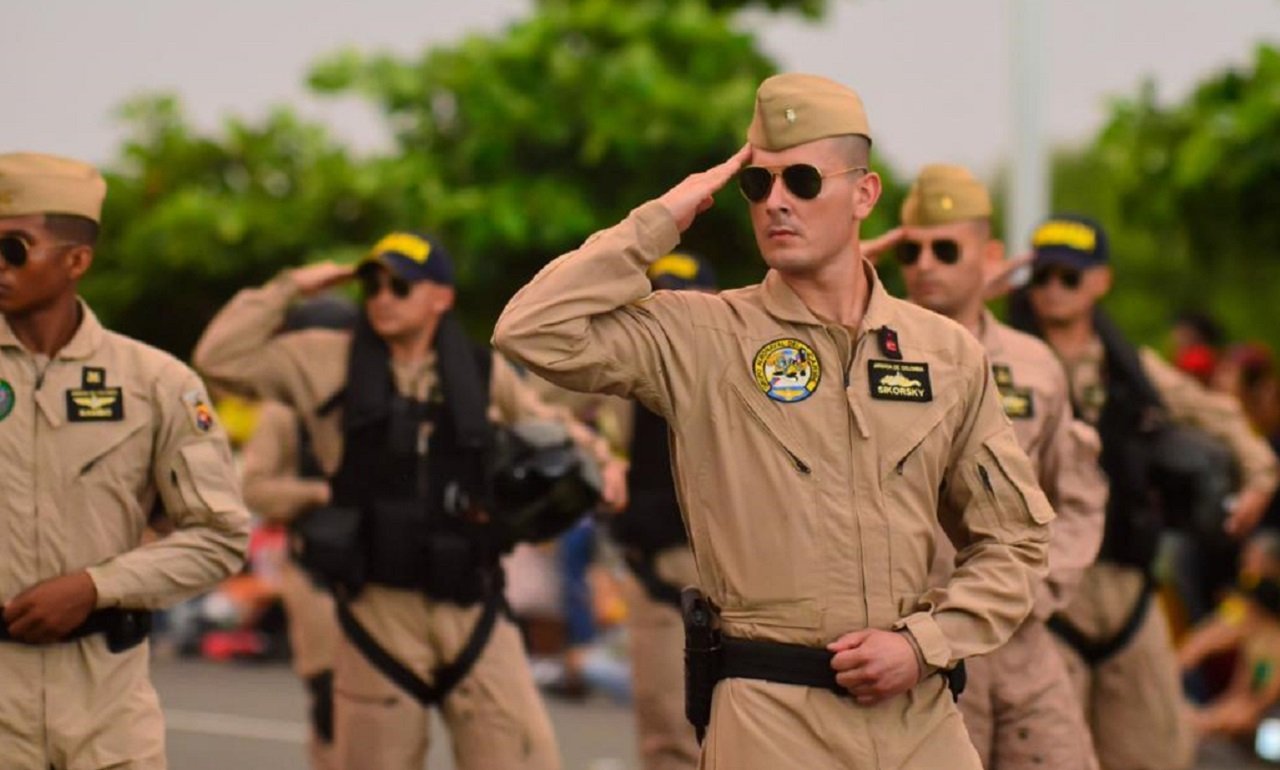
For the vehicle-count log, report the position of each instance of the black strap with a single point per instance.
(658, 589)
(778, 662)
(445, 677)
(1095, 652)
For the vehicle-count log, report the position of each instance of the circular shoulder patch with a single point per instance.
(6, 399)
(787, 370)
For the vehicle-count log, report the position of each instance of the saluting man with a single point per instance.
(820, 431)
(96, 429)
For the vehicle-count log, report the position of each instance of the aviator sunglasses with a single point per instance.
(372, 283)
(803, 180)
(1069, 277)
(945, 250)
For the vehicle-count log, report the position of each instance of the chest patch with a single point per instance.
(95, 405)
(6, 399)
(1019, 403)
(787, 370)
(900, 381)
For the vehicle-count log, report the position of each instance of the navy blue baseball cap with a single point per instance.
(682, 270)
(411, 256)
(1070, 240)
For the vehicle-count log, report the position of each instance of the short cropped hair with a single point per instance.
(72, 228)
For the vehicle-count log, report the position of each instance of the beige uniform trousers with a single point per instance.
(1025, 690)
(1133, 700)
(313, 633)
(494, 715)
(666, 739)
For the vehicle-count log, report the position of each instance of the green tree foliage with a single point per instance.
(513, 147)
(189, 218)
(1189, 194)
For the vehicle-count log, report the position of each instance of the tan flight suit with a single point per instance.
(91, 440)
(1020, 706)
(815, 517)
(495, 716)
(274, 490)
(1134, 700)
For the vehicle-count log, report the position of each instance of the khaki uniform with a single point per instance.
(814, 517)
(1019, 704)
(495, 716)
(273, 489)
(92, 440)
(1134, 700)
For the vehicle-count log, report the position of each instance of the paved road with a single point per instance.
(250, 717)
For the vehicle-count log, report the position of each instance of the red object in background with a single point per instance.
(1199, 361)
(225, 645)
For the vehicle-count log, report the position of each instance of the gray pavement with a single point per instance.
(250, 717)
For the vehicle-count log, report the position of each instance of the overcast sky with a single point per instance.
(933, 73)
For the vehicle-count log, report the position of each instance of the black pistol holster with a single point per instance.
(701, 658)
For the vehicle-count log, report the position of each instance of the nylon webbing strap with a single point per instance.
(445, 677)
(1096, 652)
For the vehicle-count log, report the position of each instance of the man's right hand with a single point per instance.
(313, 279)
(693, 196)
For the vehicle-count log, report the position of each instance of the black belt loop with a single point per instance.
(445, 677)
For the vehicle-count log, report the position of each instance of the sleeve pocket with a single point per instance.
(1005, 477)
(205, 479)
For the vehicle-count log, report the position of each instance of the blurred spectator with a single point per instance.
(1248, 623)
(1248, 371)
(1196, 340)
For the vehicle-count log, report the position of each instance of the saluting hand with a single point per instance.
(999, 276)
(693, 196)
(875, 248)
(313, 279)
(874, 665)
(49, 610)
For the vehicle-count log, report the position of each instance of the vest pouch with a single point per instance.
(398, 543)
(453, 570)
(327, 543)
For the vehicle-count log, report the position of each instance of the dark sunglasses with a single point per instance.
(804, 181)
(372, 282)
(14, 250)
(944, 250)
(1069, 277)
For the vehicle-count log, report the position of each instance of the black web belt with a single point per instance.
(799, 665)
(123, 628)
(659, 590)
(445, 677)
(778, 662)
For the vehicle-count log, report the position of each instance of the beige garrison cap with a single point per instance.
(32, 183)
(944, 194)
(793, 109)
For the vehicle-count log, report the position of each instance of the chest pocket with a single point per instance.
(107, 450)
(776, 434)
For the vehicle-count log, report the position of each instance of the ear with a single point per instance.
(1102, 278)
(993, 252)
(865, 194)
(444, 299)
(77, 260)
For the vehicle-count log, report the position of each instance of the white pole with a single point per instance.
(1028, 200)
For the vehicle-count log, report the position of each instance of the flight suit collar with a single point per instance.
(84, 342)
(784, 304)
